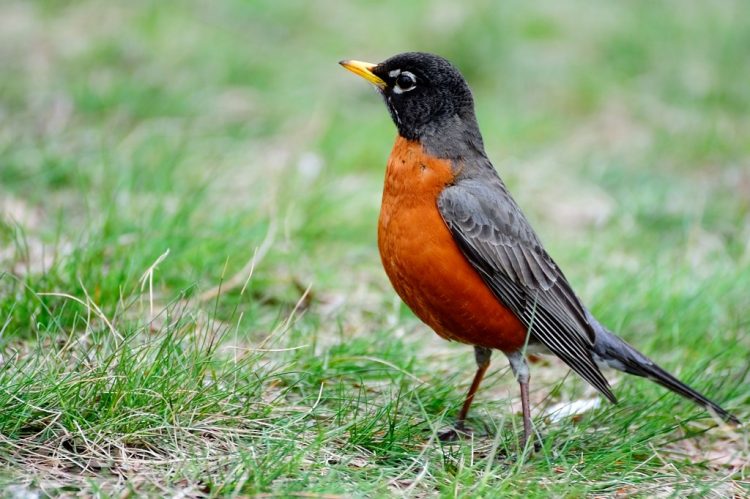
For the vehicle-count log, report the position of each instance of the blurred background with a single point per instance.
(189, 126)
(226, 134)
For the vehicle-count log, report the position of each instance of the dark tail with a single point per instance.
(614, 352)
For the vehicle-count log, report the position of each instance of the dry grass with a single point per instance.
(190, 298)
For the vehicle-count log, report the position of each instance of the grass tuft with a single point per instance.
(191, 302)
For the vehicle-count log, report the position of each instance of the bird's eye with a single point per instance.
(405, 81)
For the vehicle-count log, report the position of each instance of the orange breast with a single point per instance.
(424, 264)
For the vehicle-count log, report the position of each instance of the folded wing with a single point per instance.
(501, 245)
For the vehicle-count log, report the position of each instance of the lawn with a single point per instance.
(191, 298)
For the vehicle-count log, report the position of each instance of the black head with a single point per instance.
(426, 95)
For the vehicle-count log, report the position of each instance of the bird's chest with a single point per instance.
(424, 263)
(415, 245)
(413, 182)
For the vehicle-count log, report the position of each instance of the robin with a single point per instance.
(460, 252)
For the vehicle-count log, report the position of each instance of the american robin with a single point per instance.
(460, 252)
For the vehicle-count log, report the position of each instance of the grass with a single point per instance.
(191, 300)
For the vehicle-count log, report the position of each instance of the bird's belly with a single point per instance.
(427, 268)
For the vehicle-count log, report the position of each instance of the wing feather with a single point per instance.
(498, 241)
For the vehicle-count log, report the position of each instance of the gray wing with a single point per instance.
(500, 244)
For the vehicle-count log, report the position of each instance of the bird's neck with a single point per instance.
(455, 137)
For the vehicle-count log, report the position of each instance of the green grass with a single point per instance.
(191, 300)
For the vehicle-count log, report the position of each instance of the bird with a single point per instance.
(461, 254)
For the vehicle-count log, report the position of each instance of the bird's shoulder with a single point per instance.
(495, 236)
(482, 209)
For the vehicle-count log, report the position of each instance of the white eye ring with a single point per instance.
(398, 89)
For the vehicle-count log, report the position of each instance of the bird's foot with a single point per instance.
(512, 454)
(530, 438)
(536, 446)
(458, 431)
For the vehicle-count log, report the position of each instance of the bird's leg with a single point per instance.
(521, 371)
(482, 355)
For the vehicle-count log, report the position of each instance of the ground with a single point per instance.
(191, 300)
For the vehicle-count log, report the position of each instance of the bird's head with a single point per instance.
(425, 94)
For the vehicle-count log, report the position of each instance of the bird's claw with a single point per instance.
(458, 431)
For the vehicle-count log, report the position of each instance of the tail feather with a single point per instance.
(614, 352)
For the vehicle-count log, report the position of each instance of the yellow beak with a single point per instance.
(364, 69)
